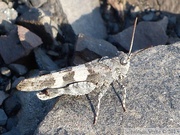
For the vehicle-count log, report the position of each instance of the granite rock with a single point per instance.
(153, 99)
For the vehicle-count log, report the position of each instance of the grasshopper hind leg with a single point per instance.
(101, 94)
(77, 88)
(124, 93)
(124, 97)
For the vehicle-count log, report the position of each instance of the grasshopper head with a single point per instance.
(122, 67)
(125, 58)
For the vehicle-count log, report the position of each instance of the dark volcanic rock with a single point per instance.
(99, 46)
(147, 34)
(3, 117)
(11, 45)
(18, 68)
(12, 105)
(43, 60)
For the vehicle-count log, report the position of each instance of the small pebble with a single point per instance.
(3, 117)
(53, 53)
(148, 17)
(10, 4)
(177, 28)
(11, 122)
(5, 71)
(33, 73)
(11, 14)
(12, 105)
(44, 61)
(3, 96)
(2, 130)
(8, 86)
(135, 11)
(172, 20)
(3, 6)
(19, 69)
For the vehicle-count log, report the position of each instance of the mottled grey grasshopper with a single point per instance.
(82, 79)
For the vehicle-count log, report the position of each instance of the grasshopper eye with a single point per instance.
(124, 60)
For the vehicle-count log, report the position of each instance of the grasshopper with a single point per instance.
(98, 74)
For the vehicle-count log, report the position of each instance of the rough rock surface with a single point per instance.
(153, 99)
(84, 17)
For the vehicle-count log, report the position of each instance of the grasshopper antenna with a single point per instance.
(132, 40)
